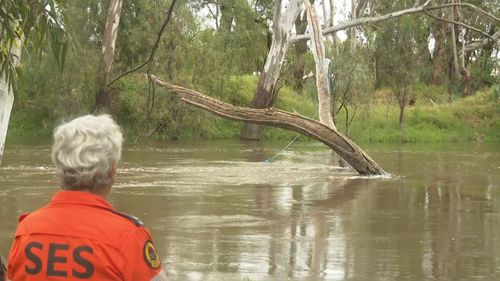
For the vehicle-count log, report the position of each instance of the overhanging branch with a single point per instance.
(482, 43)
(459, 23)
(364, 20)
(409, 11)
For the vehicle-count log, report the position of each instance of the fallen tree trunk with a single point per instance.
(343, 146)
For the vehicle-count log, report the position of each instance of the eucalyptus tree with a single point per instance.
(400, 64)
(266, 94)
(103, 95)
(462, 33)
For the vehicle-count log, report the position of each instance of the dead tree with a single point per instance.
(343, 146)
(263, 113)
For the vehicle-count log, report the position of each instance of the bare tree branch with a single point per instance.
(467, 5)
(155, 46)
(215, 15)
(482, 43)
(409, 11)
(459, 23)
(364, 20)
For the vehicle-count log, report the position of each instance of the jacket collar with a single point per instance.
(79, 198)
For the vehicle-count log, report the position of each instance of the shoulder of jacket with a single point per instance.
(23, 216)
(135, 220)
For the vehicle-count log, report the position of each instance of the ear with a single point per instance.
(113, 170)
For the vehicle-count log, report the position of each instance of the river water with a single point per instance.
(218, 212)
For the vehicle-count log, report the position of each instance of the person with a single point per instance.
(78, 235)
(3, 269)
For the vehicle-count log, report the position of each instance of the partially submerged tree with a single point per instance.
(343, 146)
(323, 131)
(266, 98)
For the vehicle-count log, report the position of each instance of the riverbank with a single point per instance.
(431, 118)
(475, 118)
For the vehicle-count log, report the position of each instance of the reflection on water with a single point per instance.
(217, 212)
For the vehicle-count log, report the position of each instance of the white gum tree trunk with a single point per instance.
(103, 96)
(7, 99)
(322, 65)
(283, 22)
(322, 71)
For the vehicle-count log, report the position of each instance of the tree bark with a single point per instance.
(482, 43)
(300, 49)
(227, 16)
(343, 146)
(323, 85)
(332, 23)
(265, 94)
(456, 67)
(322, 66)
(7, 98)
(103, 95)
(352, 31)
(401, 115)
(440, 54)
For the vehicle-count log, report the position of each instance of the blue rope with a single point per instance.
(324, 62)
(270, 159)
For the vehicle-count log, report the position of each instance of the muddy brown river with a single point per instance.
(218, 212)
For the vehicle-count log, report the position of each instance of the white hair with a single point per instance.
(84, 151)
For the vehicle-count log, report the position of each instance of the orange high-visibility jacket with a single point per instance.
(79, 236)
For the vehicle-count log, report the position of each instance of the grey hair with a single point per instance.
(84, 151)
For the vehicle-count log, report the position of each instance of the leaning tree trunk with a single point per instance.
(266, 94)
(7, 98)
(323, 85)
(103, 95)
(342, 145)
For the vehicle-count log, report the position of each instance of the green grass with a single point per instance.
(475, 118)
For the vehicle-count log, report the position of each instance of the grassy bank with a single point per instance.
(475, 118)
(431, 119)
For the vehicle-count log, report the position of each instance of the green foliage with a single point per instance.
(196, 123)
(219, 60)
(353, 82)
(23, 21)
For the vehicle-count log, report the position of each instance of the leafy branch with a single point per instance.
(23, 20)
